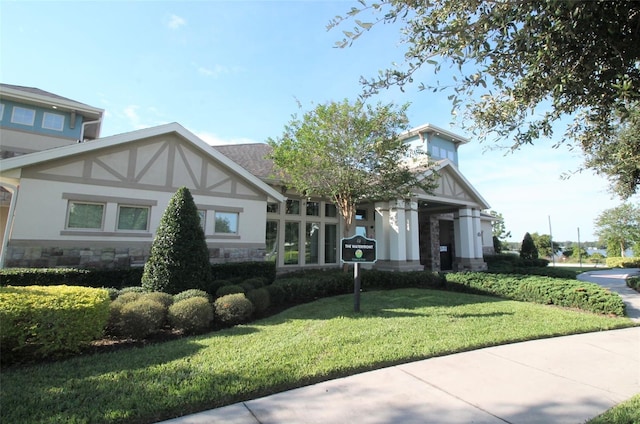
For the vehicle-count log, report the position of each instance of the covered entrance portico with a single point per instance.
(439, 231)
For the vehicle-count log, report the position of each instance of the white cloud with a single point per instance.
(215, 140)
(215, 72)
(176, 22)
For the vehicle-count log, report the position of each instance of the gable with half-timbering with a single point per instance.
(162, 163)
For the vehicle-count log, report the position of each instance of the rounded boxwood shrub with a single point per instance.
(260, 299)
(187, 294)
(229, 289)
(277, 295)
(233, 309)
(134, 289)
(257, 282)
(165, 298)
(247, 287)
(128, 297)
(136, 319)
(191, 315)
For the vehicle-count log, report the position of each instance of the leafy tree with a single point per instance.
(179, 258)
(618, 157)
(528, 248)
(522, 66)
(619, 226)
(349, 153)
(499, 231)
(543, 244)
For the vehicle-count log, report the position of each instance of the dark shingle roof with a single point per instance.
(40, 92)
(252, 157)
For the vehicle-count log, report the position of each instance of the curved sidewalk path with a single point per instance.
(616, 281)
(557, 380)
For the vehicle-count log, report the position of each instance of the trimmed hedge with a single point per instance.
(634, 283)
(48, 321)
(120, 278)
(545, 290)
(618, 262)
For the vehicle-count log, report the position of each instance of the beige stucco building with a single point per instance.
(71, 198)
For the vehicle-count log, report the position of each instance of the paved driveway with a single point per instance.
(615, 280)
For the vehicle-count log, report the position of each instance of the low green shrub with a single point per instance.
(373, 279)
(132, 289)
(229, 289)
(546, 290)
(247, 287)
(127, 297)
(113, 292)
(240, 271)
(187, 294)
(277, 296)
(47, 321)
(191, 315)
(137, 318)
(617, 262)
(634, 283)
(260, 299)
(165, 298)
(116, 278)
(233, 309)
(257, 282)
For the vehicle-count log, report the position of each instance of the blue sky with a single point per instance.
(234, 72)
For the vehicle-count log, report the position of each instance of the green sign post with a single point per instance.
(358, 250)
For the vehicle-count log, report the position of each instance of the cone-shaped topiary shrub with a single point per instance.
(179, 258)
(528, 249)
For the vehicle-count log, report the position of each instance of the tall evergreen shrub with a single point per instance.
(179, 258)
(528, 249)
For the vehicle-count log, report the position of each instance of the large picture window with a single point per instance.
(291, 243)
(312, 242)
(271, 250)
(133, 218)
(226, 222)
(330, 243)
(85, 215)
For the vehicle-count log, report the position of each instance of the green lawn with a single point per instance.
(627, 412)
(302, 345)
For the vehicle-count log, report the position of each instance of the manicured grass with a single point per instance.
(627, 412)
(305, 344)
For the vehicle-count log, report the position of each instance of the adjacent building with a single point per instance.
(72, 198)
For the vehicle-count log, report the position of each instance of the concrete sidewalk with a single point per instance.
(557, 380)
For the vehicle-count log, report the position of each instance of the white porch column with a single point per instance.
(413, 231)
(397, 231)
(477, 230)
(466, 248)
(382, 230)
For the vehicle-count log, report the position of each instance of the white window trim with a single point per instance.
(44, 119)
(13, 113)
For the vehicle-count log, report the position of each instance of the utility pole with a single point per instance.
(553, 253)
(579, 249)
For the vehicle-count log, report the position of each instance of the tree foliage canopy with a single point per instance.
(522, 66)
(619, 226)
(528, 249)
(349, 152)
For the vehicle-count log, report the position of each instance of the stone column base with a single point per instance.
(469, 264)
